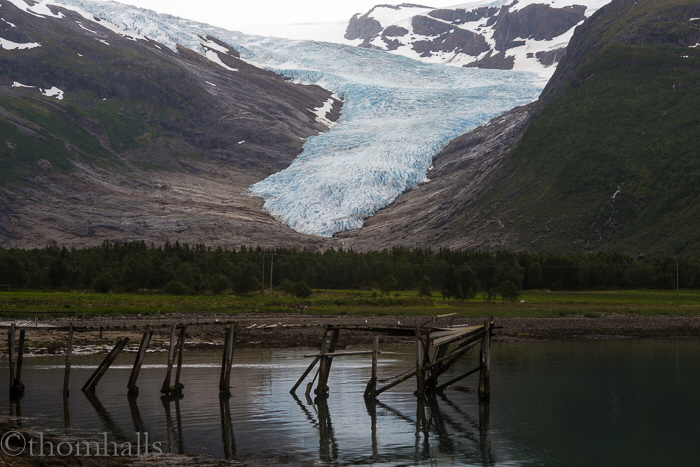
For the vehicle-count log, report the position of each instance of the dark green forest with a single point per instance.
(183, 269)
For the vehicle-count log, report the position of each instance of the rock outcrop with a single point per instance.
(518, 35)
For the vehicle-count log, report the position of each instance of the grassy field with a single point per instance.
(345, 302)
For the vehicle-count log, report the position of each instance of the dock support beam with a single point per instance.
(69, 356)
(420, 381)
(371, 390)
(485, 362)
(330, 339)
(104, 366)
(227, 361)
(16, 386)
(167, 389)
(138, 362)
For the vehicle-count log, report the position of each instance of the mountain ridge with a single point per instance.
(606, 162)
(107, 160)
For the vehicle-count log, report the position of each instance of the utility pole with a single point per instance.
(262, 281)
(677, 282)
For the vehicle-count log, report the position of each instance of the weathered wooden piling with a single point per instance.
(20, 357)
(420, 381)
(485, 362)
(69, 355)
(371, 389)
(138, 362)
(165, 389)
(330, 341)
(227, 361)
(89, 386)
(180, 353)
(11, 356)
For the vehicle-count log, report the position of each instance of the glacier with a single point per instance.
(398, 113)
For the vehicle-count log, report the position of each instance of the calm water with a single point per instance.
(606, 403)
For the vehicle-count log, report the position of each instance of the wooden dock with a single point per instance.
(438, 348)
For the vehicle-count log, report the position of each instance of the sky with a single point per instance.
(236, 14)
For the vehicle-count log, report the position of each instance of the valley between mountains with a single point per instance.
(122, 124)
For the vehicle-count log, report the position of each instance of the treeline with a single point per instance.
(180, 268)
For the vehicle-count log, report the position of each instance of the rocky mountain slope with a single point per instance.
(511, 34)
(107, 135)
(609, 160)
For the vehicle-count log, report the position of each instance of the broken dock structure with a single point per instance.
(438, 348)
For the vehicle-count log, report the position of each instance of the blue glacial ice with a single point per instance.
(397, 115)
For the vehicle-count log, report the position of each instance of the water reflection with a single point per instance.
(106, 418)
(227, 434)
(430, 424)
(602, 394)
(176, 443)
(15, 417)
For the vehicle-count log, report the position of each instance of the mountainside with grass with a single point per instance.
(105, 134)
(608, 160)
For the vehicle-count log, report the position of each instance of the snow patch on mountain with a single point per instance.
(9, 45)
(53, 92)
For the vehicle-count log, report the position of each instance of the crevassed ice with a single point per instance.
(397, 115)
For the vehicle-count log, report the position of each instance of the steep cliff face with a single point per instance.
(606, 160)
(105, 135)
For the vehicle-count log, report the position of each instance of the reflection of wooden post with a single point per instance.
(227, 428)
(138, 362)
(420, 381)
(484, 433)
(69, 355)
(485, 363)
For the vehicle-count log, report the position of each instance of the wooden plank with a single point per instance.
(104, 366)
(304, 375)
(341, 354)
(69, 355)
(458, 378)
(444, 337)
(396, 383)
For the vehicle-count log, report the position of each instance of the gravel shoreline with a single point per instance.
(305, 331)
